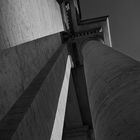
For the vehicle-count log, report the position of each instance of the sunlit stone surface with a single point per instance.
(25, 20)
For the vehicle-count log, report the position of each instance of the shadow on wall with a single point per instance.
(20, 64)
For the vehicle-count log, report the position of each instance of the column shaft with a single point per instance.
(113, 82)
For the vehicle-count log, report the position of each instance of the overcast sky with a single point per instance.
(124, 22)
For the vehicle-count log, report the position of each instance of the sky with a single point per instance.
(124, 22)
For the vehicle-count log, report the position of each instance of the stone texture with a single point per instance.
(20, 64)
(113, 82)
(24, 21)
(38, 121)
(32, 116)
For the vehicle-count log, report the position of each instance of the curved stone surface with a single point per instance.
(113, 82)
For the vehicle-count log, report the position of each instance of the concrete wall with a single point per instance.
(37, 111)
(38, 122)
(20, 64)
(23, 21)
(26, 20)
(24, 51)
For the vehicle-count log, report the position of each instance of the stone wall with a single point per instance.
(20, 64)
(39, 120)
(26, 20)
(33, 114)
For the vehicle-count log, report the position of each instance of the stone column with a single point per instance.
(113, 82)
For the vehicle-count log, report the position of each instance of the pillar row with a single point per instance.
(113, 83)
